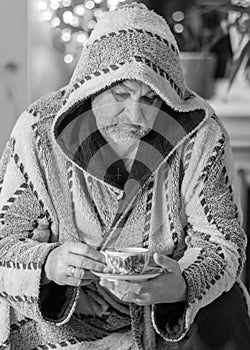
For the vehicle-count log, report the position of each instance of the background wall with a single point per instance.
(48, 71)
(13, 64)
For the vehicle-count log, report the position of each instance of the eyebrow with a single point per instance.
(151, 92)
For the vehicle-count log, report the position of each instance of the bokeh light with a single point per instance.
(67, 16)
(67, 3)
(68, 58)
(112, 3)
(55, 22)
(90, 4)
(81, 37)
(91, 24)
(178, 16)
(43, 5)
(47, 15)
(178, 28)
(66, 35)
(72, 21)
(79, 10)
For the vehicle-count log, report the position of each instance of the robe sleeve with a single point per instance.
(25, 239)
(215, 241)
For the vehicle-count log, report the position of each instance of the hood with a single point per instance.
(131, 42)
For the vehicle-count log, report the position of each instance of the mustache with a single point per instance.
(131, 126)
(126, 131)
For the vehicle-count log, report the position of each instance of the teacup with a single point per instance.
(127, 261)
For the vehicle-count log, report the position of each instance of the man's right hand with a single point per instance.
(70, 264)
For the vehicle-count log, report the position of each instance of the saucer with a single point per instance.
(148, 274)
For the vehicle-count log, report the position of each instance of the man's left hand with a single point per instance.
(169, 287)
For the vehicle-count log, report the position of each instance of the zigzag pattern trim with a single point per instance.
(18, 298)
(62, 344)
(11, 200)
(141, 31)
(19, 266)
(114, 67)
(31, 186)
(37, 136)
(70, 182)
(1, 185)
(208, 213)
(172, 228)
(148, 213)
(205, 205)
(217, 149)
(192, 271)
(17, 325)
(188, 153)
(47, 105)
(217, 213)
(5, 345)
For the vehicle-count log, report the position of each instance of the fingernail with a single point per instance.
(156, 255)
(102, 281)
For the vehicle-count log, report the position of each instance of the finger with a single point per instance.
(86, 250)
(79, 273)
(169, 264)
(68, 280)
(85, 263)
(74, 282)
(90, 276)
(76, 272)
(85, 282)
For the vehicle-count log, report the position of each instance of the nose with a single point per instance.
(134, 111)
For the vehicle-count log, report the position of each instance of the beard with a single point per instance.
(125, 131)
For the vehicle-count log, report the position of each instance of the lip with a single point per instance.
(136, 127)
(126, 125)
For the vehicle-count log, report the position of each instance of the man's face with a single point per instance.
(126, 111)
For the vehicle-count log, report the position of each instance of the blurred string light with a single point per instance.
(43, 5)
(178, 28)
(178, 16)
(72, 22)
(55, 22)
(90, 4)
(68, 58)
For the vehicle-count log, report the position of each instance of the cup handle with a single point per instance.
(145, 263)
(104, 253)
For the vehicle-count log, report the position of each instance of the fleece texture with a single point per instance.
(57, 184)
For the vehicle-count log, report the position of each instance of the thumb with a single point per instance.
(167, 263)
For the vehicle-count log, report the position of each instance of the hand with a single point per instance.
(169, 287)
(70, 264)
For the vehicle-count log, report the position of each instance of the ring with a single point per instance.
(73, 268)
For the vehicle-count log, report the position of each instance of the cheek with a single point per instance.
(150, 113)
(105, 114)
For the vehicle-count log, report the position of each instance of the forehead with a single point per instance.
(135, 85)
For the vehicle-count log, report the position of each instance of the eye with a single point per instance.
(120, 95)
(150, 99)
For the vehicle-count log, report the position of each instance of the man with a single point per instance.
(125, 155)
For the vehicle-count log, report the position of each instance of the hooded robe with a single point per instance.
(58, 183)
